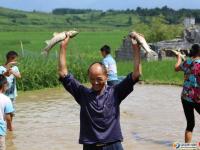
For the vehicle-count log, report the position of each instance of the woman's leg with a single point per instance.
(188, 136)
(188, 108)
(197, 107)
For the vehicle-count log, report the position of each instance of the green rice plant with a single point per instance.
(41, 72)
(37, 73)
(154, 72)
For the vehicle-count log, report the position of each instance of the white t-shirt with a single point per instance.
(5, 108)
(111, 66)
(12, 89)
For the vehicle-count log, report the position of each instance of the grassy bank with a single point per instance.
(155, 72)
(42, 73)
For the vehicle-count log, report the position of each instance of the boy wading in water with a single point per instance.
(6, 110)
(99, 105)
(11, 72)
(191, 88)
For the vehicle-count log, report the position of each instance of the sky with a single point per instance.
(49, 5)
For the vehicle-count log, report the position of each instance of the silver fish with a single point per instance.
(141, 40)
(57, 37)
(183, 57)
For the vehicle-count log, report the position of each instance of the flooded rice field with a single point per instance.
(152, 118)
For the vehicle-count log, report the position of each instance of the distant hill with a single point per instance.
(165, 22)
(15, 20)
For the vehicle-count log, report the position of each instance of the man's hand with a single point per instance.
(136, 57)
(62, 67)
(132, 34)
(64, 43)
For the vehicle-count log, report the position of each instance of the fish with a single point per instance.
(57, 37)
(141, 40)
(176, 52)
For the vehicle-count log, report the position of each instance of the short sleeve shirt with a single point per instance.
(99, 114)
(12, 89)
(111, 66)
(191, 86)
(6, 107)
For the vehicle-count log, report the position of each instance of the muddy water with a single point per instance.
(152, 119)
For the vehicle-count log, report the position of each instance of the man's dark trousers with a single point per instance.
(113, 146)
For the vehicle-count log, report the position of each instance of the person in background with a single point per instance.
(110, 64)
(191, 88)
(11, 72)
(6, 110)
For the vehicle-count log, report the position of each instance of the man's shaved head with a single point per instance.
(96, 66)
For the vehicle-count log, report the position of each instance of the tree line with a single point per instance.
(62, 11)
(171, 16)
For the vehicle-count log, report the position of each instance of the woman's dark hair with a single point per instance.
(195, 50)
(3, 81)
(102, 66)
(106, 49)
(11, 54)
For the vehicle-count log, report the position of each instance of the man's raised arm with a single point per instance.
(62, 67)
(137, 71)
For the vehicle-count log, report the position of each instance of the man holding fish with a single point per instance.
(99, 105)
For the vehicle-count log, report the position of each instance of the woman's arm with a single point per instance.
(178, 63)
